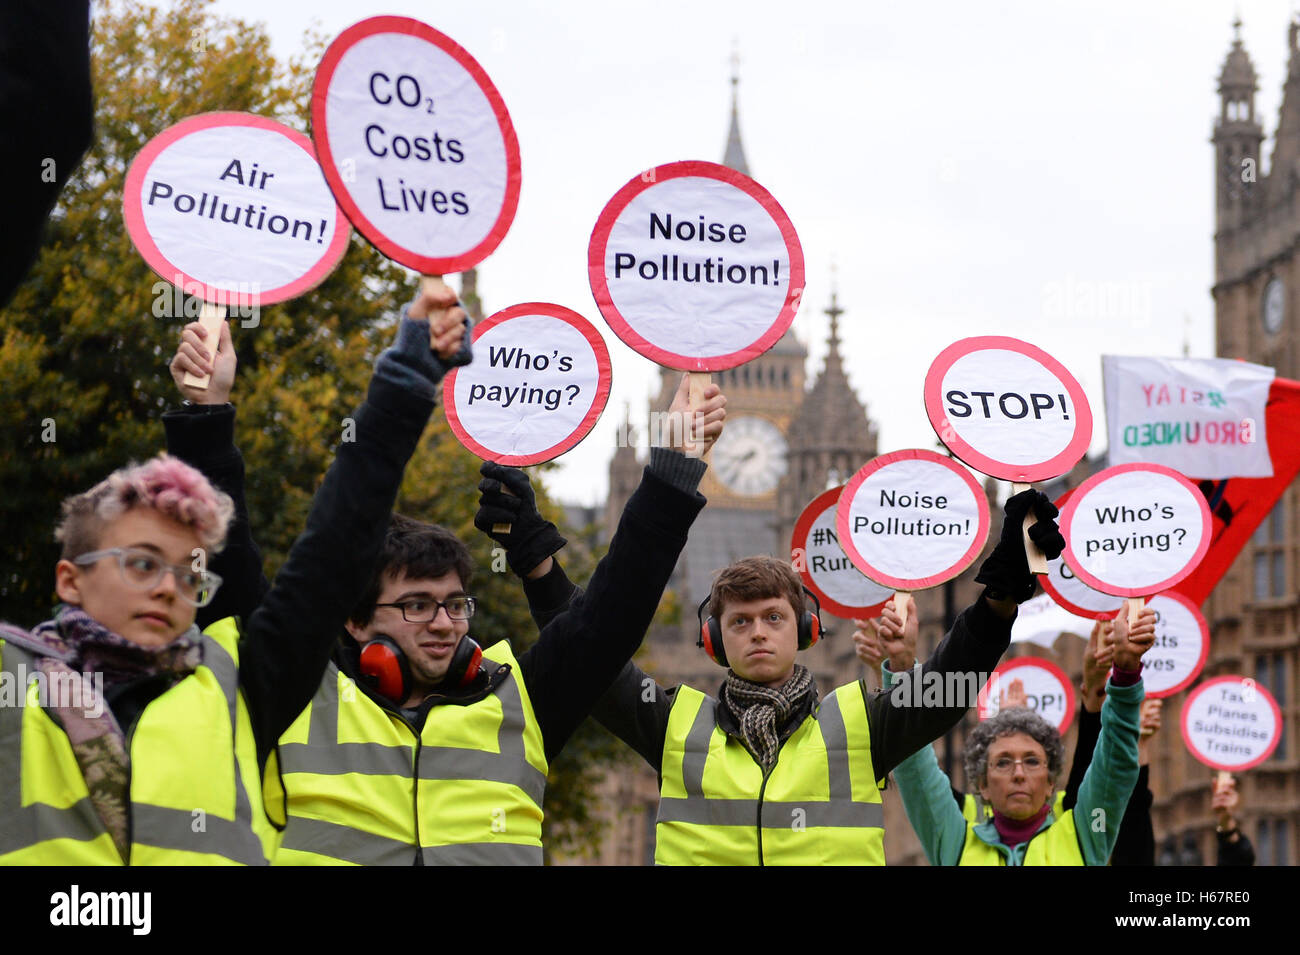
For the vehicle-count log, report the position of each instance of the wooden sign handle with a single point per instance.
(1037, 559)
(210, 317)
(697, 381)
(900, 605)
(1135, 605)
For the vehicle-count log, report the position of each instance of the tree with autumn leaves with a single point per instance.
(84, 353)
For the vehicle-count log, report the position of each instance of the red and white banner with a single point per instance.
(416, 144)
(696, 266)
(1203, 417)
(539, 382)
(231, 208)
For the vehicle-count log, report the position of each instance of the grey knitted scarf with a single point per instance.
(762, 711)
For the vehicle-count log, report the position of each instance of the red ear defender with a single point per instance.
(384, 667)
(465, 664)
(711, 636)
(810, 623)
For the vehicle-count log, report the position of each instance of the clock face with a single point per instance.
(749, 458)
(1274, 309)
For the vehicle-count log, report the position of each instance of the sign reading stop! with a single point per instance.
(1048, 692)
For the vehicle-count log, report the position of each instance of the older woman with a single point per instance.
(1015, 760)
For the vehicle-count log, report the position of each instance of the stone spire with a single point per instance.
(734, 157)
(1238, 135)
(1284, 170)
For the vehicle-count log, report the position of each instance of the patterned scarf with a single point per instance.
(763, 711)
(73, 646)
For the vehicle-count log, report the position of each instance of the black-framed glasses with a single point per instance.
(424, 609)
(144, 570)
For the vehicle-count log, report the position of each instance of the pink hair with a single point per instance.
(166, 484)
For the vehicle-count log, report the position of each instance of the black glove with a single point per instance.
(531, 539)
(1006, 571)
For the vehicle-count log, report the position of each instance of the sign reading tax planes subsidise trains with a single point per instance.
(231, 209)
(1008, 408)
(539, 382)
(416, 144)
(1231, 723)
(912, 519)
(1134, 530)
(826, 570)
(696, 266)
(1048, 692)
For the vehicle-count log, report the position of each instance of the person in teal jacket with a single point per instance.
(1015, 760)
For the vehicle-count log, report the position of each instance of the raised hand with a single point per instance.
(1131, 643)
(693, 431)
(195, 357)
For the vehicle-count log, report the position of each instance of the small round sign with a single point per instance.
(1181, 647)
(1048, 691)
(1231, 723)
(539, 382)
(1008, 408)
(912, 519)
(416, 144)
(696, 266)
(826, 570)
(1068, 591)
(231, 208)
(1134, 530)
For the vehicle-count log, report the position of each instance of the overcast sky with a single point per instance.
(1028, 169)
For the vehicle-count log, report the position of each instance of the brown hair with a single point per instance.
(415, 550)
(755, 578)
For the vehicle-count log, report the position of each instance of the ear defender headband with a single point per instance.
(385, 668)
(810, 629)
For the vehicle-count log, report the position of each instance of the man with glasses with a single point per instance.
(420, 748)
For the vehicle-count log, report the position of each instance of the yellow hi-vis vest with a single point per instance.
(363, 787)
(1058, 844)
(970, 807)
(819, 805)
(196, 798)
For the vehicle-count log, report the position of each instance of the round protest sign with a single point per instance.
(1181, 648)
(416, 143)
(1068, 591)
(1048, 691)
(912, 519)
(1008, 408)
(1135, 529)
(696, 266)
(826, 570)
(231, 208)
(1231, 723)
(540, 379)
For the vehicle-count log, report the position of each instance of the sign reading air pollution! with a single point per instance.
(827, 571)
(696, 266)
(416, 144)
(539, 382)
(1231, 723)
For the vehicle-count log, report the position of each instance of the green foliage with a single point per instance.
(82, 350)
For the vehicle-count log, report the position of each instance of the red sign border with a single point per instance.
(1060, 600)
(1061, 463)
(1223, 767)
(799, 540)
(1205, 647)
(882, 461)
(599, 243)
(606, 380)
(133, 208)
(1015, 663)
(424, 264)
(1067, 516)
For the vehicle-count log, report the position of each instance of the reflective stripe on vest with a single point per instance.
(1058, 844)
(192, 766)
(819, 805)
(362, 788)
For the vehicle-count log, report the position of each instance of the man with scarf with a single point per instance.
(767, 772)
(129, 737)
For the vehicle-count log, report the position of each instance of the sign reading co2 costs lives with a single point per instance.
(826, 570)
(539, 382)
(1008, 408)
(912, 519)
(1181, 647)
(231, 208)
(1134, 530)
(1048, 692)
(1231, 723)
(416, 143)
(696, 266)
